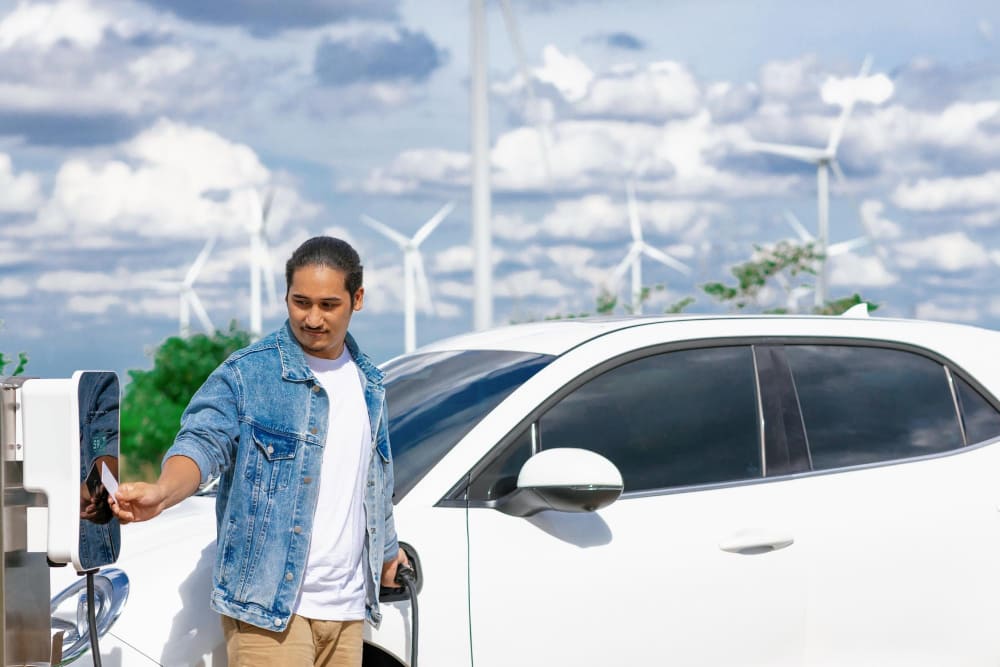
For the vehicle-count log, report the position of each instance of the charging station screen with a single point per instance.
(100, 533)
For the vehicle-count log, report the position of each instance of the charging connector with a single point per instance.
(406, 577)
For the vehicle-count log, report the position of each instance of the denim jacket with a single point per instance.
(260, 420)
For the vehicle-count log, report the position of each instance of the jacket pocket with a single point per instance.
(276, 457)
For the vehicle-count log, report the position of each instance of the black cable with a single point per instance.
(407, 577)
(95, 649)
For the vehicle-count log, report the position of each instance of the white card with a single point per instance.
(109, 482)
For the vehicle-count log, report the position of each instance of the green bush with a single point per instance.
(154, 399)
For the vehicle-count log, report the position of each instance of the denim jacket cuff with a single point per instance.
(194, 452)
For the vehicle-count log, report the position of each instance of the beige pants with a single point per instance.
(304, 643)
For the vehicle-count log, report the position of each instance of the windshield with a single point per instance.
(434, 399)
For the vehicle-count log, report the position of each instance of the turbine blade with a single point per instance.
(432, 224)
(838, 129)
(623, 266)
(877, 246)
(633, 212)
(424, 301)
(199, 311)
(199, 262)
(510, 22)
(804, 235)
(803, 153)
(664, 258)
(267, 268)
(386, 231)
(265, 213)
(844, 247)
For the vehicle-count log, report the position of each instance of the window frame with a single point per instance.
(769, 389)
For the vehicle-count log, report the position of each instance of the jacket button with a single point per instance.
(307, 480)
(288, 576)
(297, 529)
(316, 388)
(314, 430)
(277, 621)
(270, 449)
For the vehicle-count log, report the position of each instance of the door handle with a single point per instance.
(750, 543)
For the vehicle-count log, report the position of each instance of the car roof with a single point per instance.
(556, 337)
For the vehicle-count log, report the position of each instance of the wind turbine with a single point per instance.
(260, 261)
(794, 293)
(482, 251)
(414, 277)
(188, 297)
(639, 248)
(825, 160)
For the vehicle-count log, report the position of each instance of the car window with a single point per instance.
(667, 420)
(866, 404)
(434, 399)
(981, 419)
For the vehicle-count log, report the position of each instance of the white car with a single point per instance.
(797, 491)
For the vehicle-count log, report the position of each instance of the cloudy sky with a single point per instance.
(133, 130)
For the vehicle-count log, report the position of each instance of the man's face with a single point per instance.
(319, 309)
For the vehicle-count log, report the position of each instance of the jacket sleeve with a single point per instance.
(209, 430)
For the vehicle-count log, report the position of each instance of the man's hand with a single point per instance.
(138, 501)
(389, 568)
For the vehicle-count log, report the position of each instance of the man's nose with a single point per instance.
(313, 319)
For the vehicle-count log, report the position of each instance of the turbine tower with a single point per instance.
(482, 234)
(825, 160)
(261, 269)
(414, 277)
(188, 297)
(639, 248)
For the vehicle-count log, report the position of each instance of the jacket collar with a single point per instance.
(293, 359)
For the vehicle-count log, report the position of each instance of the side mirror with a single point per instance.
(565, 480)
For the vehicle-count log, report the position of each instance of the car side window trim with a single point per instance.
(457, 495)
(957, 404)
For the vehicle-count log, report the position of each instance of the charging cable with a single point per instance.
(95, 649)
(407, 578)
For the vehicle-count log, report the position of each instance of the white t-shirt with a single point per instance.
(333, 586)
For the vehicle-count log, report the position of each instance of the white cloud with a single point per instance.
(93, 304)
(19, 193)
(789, 79)
(936, 194)
(42, 25)
(660, 89)
(13, 288)
(857, 271)
(602, 217)
(875, 89)
(530, 284)
(953, 251)
(161, 63)
(945, 313)
(513, 227)
(873, 213)
(567, 73)
(172, 180)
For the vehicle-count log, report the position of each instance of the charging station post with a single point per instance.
(60, 447)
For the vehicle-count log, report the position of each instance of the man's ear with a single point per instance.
(359, 298)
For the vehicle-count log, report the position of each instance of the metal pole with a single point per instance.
(482, 262)
(823, 239)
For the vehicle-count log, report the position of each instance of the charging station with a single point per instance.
(60, 442)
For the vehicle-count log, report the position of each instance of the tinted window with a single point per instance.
(982, 422)
(435, 399)
(674, 419)
(862, 404)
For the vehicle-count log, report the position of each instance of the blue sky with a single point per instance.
(131, 130)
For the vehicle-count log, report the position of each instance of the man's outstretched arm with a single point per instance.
(141, 501)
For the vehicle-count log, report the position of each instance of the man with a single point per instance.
(296, 426)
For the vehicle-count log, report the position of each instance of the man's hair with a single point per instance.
(332, 253)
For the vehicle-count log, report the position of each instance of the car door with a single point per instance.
(899, 517)
(696, 564)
